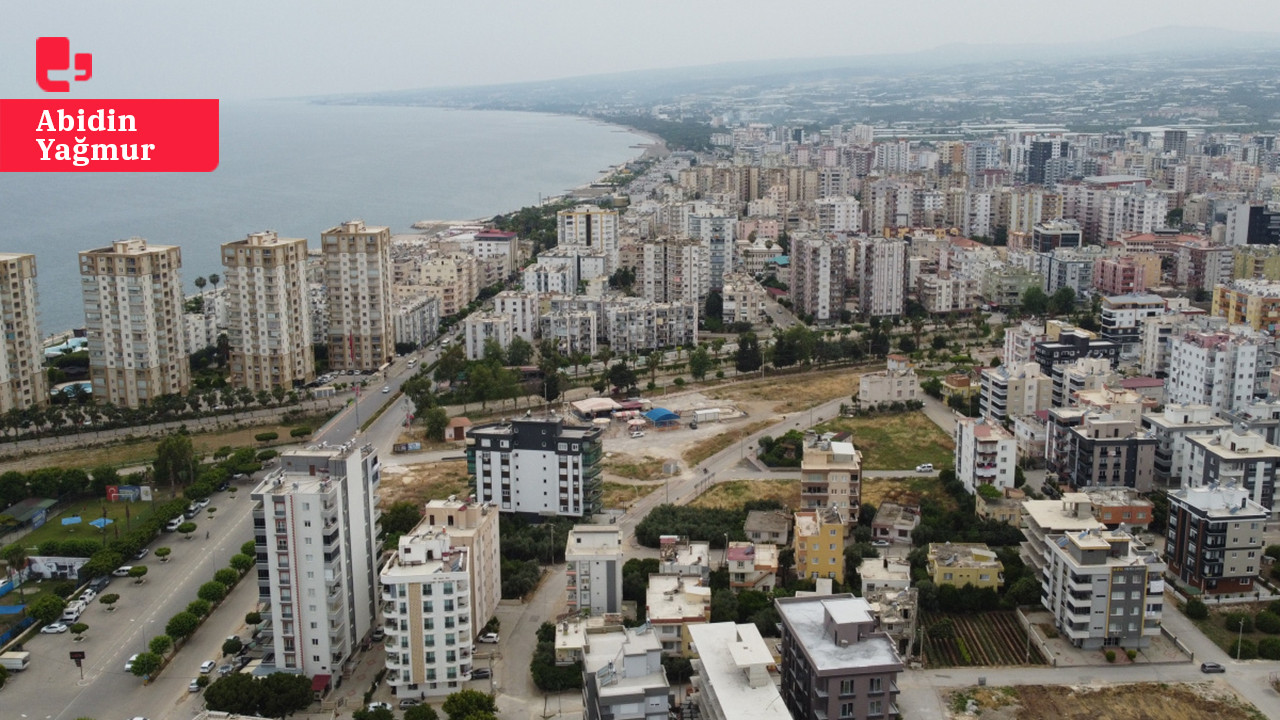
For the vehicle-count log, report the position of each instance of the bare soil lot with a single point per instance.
(793, 392)
(733, 494)
(1140, 701)
(424, 481)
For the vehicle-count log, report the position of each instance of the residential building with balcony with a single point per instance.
(731, 674)
(672, 604)
(1172, 428)
(1123, 315)
(678, 556)
(1043, 519)
(742, 299)
(1070, 346)
(1255, 303)
(1121, 276)
(1008, 392)
(832, 480)
(473, 527)
(752, 566)
(416, 321)
(589, 229)
(481, 328)
(1104, 588)
(879, 268)
(537, 466)
(819, 543)
(1214, 539)
(985, 454)
(961, 564)
(896, 383)
(1088, 448)
(593, 566)
(426, 611)
(572, 332)
(523, 307)
(1221, 369)
(768, 526)
(315, 521)
(818, 276)
(1080, 376)
(23, 382)
(835, 663)
(357, 280)
(1120, 508)
(623, 677)
(1232, 456)
(268, 327)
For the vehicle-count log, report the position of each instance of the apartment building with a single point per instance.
(1006, 509)
(716, 229)
(672, 269)
(752, 566)
(1214, 539)
(1044, 520)
(1237, 457)
(731, 674)
(1221, 369)
(1120, 508)
(133, 306)
(315, 522)
(593, 564)
(1004, 287)
(268, 327)
(474, 527)
(480, 328)
(961, 564)
(552, 276)
(1121, 276)
(879, 272)
(416, 321)
(1255, 303)
(1011, 391)
(819, 544)
(1069, 268)
(1172, 428)
(896, 383)
(672, 604)
(946, 291)
(524, 309)
(537, 466)
(742, 300)
(678, 556)
(1123, 316)
(572, 332)
(23, 382)
(1053, 234)
(1104, 588)
(895, 523)
(838, 214)
(634, 324)
(769, 526)
(1071, 345)
(1088, 448)
(358, 283)
(985, 454)
(426, 608)
(1201, 266)
(832, 479)
(835, 663)
(818, 276)
(591, 230)
(623, 677)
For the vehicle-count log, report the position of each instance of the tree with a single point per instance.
(652, 363)
(1063, 301)
(78, 629)
(212, 591)
(241, 562)
(236, 693)
(200, 283)
(163, 553)
(519, 352)
(1024, 591)
(137, 572)
(175, 459)
(714, 307)
(226, 576)
(284, 694)
(187, 528)
(748, 357)
(181, 625)
(699, 362)
(253, 618)
(214, 280)
(146, 664)
(1034, 301)
(161, 645)
(437, 421)
(199, 607)
(468, 704)
(622, 376)
(421, 712)
(46, 608)
(231, 646)
(401, 517)
(109, 600)
(15, 557)
(724, 606)
(378, 713)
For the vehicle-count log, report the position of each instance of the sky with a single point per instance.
(244, 49)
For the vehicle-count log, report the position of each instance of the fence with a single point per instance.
(1256, 596)
(16, 630)
(1035, 638)
(1178, 643)
(9, 586)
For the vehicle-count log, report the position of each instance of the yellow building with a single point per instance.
(819, 544)
(1255, 303)
(961, 564)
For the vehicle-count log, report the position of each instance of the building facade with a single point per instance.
(818, 276)
(985, 454)
(593, 564)
(357, 280)
(1214, 538)
(23, 381)
(268, 323)
(538, 466)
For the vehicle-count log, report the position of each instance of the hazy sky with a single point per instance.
(235, 49)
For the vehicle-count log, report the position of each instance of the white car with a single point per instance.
(379, 705)
(194, 686)
(924, 467)
(637, 434)
(386, 389)
(53, 628)
(491, 638)
(122, 571)
(207, 667)
(128, 664)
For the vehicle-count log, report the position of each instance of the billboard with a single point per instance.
(56, 568)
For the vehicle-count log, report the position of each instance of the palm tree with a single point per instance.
(214, 280)
(16, 556)
(653, 362)
(200, 283)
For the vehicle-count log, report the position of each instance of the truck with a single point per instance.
(15, 661)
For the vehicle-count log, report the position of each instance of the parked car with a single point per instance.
(637, 434)
(881, 543)
(408, 702)
(202, 503)
(379, 705)
(379, 634)
(1212, 667)
(99, 583)
(924, 467)
(128, 664)
(226, 670)
(141, 553)
(122, 571)
(207, 667)
(488, 638)
(481, 673)
(53, 628)
(386, 388)
(194, 686)
(173, 524)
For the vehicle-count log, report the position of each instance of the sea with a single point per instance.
(299, 168)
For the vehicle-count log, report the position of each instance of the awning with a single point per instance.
(320, 683)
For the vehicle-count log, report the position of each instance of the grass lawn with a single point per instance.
(621, 495)
(712, 445)
(91, 509)
(905, 491)
(732, 494)
(1214, 627)
(649, 468)
(896, 442)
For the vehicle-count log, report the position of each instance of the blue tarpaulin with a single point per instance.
(73, 520)
(661, 417)
(101, 522)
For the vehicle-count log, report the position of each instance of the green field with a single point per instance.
(896, 442)
(90, 510)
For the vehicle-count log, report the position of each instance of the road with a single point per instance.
(50, 687)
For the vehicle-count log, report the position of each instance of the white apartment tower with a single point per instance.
(880, 269)
(593, 561)
(537, 466)
(22, 378)
(268, 326)
(818, 276)
(315, 523)
(358, 282)
(133, 319)
(591, 230)
(1220, 369)
(522, 308)
(985, 454)
(473, 526)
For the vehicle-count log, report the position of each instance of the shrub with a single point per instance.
(1239, 622)
(300, 432)
(1131, 653)
(1268, 622)
(1269, 648)
(266, 436)
(1248, 649)
(1196, 609)
(1111, 656)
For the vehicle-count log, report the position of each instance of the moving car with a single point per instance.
(194, 686)
(207, 667)
(53, 628)
(1211, 667)
(141, 553)
(924, 467)
(488, 638)
(637, 434)
(386, 388)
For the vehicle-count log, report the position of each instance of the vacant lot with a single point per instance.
(792, 392)
(731, 495)
(1140, 701)
(424, 481)
(626, 466)
(908, 490)
(1214, 627)
(990, 639)
(704, 449)
(896, 442)
(620, 496)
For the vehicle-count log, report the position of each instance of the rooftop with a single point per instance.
(769, 521)
(963, 555)
(806, 619)
(616, 676)
(593, 540)
(677, 598)
(894, 514)
(732, 660)
(1072, 512)
(1219, 501)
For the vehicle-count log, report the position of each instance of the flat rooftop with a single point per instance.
(725, 652)
(805, 616)
(673, 598)
(610, 647)
(1220, 501)
(1072, 512)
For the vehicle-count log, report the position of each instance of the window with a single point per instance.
(846, 709)
(846, 687)
(875, 707)
(877, 685)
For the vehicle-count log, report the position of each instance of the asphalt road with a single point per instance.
(51, 687)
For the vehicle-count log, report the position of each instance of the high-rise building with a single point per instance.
(1039, 158)
(1235, 456)
(133, 319)
(731, 674)
(22, 377)
(1215, 538)
(1255, 303)
(818, 276)
(1048, 236)
(589, 229)
(985, 454)
(473, 526)
(358, 283)
(315, 524)
(537, 466)
(268, 327)
(819, 543)
(1104, 588)
(880, 269)
(832, 480)
(1219, 369)
(593, 562)
(716, 230)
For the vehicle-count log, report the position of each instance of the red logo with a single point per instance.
(54, 53)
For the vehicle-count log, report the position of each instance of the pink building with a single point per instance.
(1119, 276)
